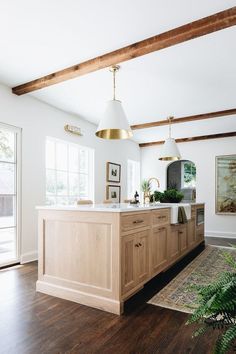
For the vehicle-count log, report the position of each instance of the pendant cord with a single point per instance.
(169, 127)
(114, 85)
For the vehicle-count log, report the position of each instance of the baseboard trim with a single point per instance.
(29, 257)
(220, 234)
(80, 297)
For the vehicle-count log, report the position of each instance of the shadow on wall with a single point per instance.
(181, 175)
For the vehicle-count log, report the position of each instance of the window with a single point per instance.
(133, 178)
(188, 175)
(69, 172)
(9, 194)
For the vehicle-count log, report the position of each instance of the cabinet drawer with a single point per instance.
(133, 221)
(161, 217)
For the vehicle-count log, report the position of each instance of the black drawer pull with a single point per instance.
(137, 221)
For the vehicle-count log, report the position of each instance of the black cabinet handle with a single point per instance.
(137, 221)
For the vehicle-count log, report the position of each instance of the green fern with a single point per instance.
(217, 308)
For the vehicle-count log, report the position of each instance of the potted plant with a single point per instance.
(146, 189)
(155, 197)
(217, 309)
(171, 196)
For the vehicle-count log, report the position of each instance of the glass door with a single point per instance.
(9, 194)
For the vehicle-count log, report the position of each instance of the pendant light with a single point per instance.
(114, 124)
(170, 150)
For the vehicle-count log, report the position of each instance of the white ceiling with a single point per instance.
(193, 77)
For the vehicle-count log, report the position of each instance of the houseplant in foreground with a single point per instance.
(217, 308)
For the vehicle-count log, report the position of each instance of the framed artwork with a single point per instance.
(113, 172)
(113, 193)
(226, 184)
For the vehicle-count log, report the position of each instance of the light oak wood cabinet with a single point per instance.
(135, 260)
(199, 233)
(191, 231)
(143, 254)
(159, 249)
(133, 221)
(174, 244)
(161, 217)
(100, 259)
(128, 261)
(183, 239)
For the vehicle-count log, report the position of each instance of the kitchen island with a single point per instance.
(100, 255)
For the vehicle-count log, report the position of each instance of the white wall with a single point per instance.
(37, 121)
(203, 154)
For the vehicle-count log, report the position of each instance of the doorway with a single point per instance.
(181, 175)
(10, 147)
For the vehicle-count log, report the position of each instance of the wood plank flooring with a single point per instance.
(35, 323)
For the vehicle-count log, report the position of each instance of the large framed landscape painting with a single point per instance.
(226, 184)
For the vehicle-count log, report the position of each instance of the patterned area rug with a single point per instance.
(204, 269)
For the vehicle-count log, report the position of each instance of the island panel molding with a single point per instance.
(201, 27)
(193, 118)
(190, 139)
(84, 267)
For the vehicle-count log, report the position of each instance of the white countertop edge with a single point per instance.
(111, 208)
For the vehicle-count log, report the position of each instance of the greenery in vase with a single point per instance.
(145, 186)
(217, 309)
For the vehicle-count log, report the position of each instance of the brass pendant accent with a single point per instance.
(114, 134)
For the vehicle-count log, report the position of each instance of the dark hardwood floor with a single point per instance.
(34, 323)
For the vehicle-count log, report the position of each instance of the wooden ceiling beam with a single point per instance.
(202, 116)
(167, 39)
(194, 138)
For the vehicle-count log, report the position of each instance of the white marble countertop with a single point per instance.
(114, 208)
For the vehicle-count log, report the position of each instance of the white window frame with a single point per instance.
(18, 190)
(135, 184)
(90, 169)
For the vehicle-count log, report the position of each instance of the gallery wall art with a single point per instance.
(113, 172)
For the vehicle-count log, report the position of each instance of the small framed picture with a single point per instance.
(113, 193)
(113, 172)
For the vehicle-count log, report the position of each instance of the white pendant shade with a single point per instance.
(114, 124)
(170, 151)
